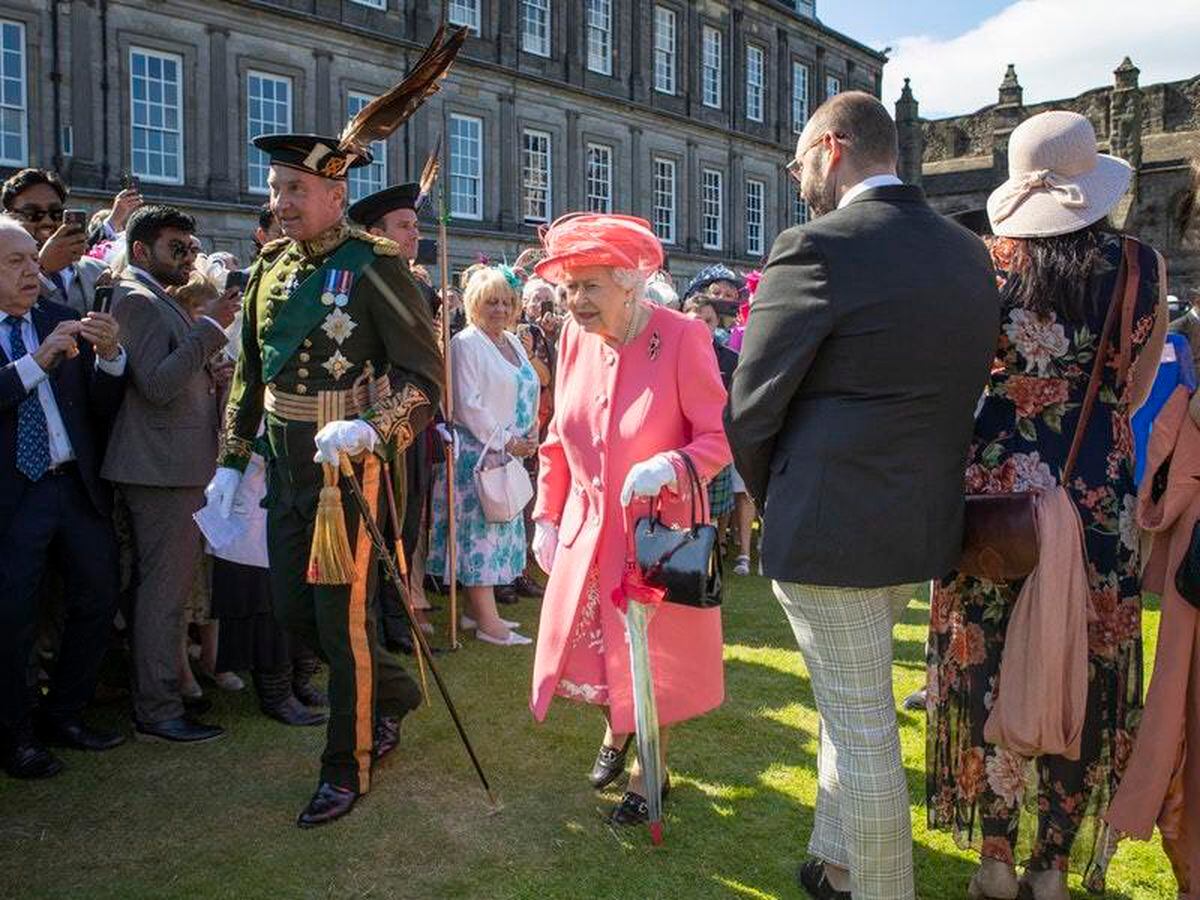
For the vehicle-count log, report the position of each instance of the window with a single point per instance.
(535, 175)
(711, 71)
(14, 122)
(664, 50)
(599, 178)
(833, 85)
(712, 204)
(535, 33)
(756, 192)
(374, 4)
(755, 63)
(268, 111)
(664, 200)
(366, 179)
(156, 145)
(599, 36)
(464, 12)
(799, 209)
(466, 167)
(799, 97)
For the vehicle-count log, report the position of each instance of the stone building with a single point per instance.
(681, 112)
(960, 160)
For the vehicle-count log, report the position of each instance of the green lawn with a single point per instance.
(216, 820)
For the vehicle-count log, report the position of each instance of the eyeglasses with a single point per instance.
(795, 166)
(182, 250)
(35, 214)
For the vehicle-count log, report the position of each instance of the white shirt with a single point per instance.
(485, 386)
(865, 185)
(34, 377)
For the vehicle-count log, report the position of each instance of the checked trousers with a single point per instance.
(862, 821)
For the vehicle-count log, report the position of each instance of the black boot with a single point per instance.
(328, 803)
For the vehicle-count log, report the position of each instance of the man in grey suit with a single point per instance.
(163, 452)
(850, 417)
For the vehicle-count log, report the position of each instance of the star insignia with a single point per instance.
(291, 283)
(338, 325)
(337, 365)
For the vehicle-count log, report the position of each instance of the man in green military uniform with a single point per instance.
(338, 352)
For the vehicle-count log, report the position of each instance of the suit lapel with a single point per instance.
(164, 297)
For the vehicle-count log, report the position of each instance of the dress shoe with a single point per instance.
(507, 594)
(512, 639)
(74, 734)
(310, 695)
(466, 623)
(1044, 884)
(178, 731)
(387, 736)
(915, 702)
(993, 880)
(811, 877)
(633, 808)
(527, 587)
(609, 765)
(292, 712)
(27, 758)
(328, 803)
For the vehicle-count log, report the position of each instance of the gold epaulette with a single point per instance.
(383, 246)
(273, 248)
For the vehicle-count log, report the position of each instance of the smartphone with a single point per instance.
(237, 279)
(129, 182)
(75, 219)
(427, 252)
(103, 299)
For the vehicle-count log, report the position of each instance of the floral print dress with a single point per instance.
(1045, 812)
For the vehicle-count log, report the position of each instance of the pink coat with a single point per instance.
(615, 408)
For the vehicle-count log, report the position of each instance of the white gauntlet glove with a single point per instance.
(648, 478)
(222, 489)
(545, 544)
(350, 437)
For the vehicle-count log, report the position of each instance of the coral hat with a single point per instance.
(1057, 182)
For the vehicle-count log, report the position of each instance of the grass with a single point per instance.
(217, 820)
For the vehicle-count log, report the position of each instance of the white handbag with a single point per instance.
(503, 490)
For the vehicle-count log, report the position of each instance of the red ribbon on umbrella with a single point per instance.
(634, 587)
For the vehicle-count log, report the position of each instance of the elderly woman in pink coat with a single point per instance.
(636, 386)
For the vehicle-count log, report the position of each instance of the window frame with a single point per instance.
(546, 37)
(181, 160)
(800, 212)
(474, 26)
(716, 70)
(798, 122)
(372, 4)
(671, 236)
(666, 80)
(834, 80)
(548, 200)
(590, 10)
(705, 216)
(477, 215)
(251, 150)
(756, 101)
(379, 153)
(23, 109)
(588, 195)
(756, 246)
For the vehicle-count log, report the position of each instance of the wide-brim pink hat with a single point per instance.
(577, 240)
(1057, 181)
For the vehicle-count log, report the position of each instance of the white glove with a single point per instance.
(350, 437)
(222, 489)
(648, 478)
(545, 544)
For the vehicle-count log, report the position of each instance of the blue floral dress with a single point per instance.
(489, 553)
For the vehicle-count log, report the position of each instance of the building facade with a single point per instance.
(1156, 129)
(680, 112)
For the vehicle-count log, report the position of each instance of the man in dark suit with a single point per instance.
(162, 452)
(850, 417)
(61, 378)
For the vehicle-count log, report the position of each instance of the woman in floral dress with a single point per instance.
(1056, 289)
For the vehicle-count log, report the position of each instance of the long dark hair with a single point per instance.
(1056, 272)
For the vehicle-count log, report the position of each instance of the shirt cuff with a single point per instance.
(113, 367)
(31, 373)
(108, 231)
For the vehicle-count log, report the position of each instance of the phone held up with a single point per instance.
(129, 182)
(75, 219)
(103, 299)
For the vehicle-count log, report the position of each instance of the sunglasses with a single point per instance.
(35, 214)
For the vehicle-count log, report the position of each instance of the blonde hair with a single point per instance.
(482, 284)
(201, 286)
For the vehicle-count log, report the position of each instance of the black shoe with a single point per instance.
(915, 701)
(609, 765)
(196, 706)
(74, 734)
(292, 712)
(811, 877)
(387, 736)
(309, 695)
(506, 594)
(328, 803)
(633, 808)
(527, 587)
(29, 759)
(177, 731)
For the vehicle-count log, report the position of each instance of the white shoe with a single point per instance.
(513, 639)
(466, 623)
(743, 566)
(228, 681)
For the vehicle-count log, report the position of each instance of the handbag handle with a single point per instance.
(488, 446)
(694, 484)
(1123, 300)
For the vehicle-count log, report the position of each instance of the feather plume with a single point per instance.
(385, 114)
(429, 174)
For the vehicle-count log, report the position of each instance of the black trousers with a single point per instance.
(55, 519)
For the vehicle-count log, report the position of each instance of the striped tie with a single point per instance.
(33, 435)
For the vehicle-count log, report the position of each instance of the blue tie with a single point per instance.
(33, 435)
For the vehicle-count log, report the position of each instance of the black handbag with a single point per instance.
(1187, 579)
(685, 562)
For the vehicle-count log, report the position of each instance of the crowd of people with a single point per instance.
(160, 409)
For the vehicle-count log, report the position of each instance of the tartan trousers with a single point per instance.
(862, 821)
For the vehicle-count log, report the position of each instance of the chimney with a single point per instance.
(1006, 116)
(910, 136)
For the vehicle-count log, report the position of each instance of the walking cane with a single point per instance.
(379, 543)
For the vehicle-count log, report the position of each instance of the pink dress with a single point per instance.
(615, 407)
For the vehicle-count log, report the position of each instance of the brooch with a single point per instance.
(338, 325)
(655, 346)
(337, 287)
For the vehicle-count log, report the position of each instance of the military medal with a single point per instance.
(329, 295)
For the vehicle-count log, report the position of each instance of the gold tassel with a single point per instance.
(331, 560)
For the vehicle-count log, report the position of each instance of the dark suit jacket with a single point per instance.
(166, 433)
(868, 345)
(87, 400)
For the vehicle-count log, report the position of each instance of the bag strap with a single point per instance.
(695, 486)
(488, 446)
(1123, 301)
